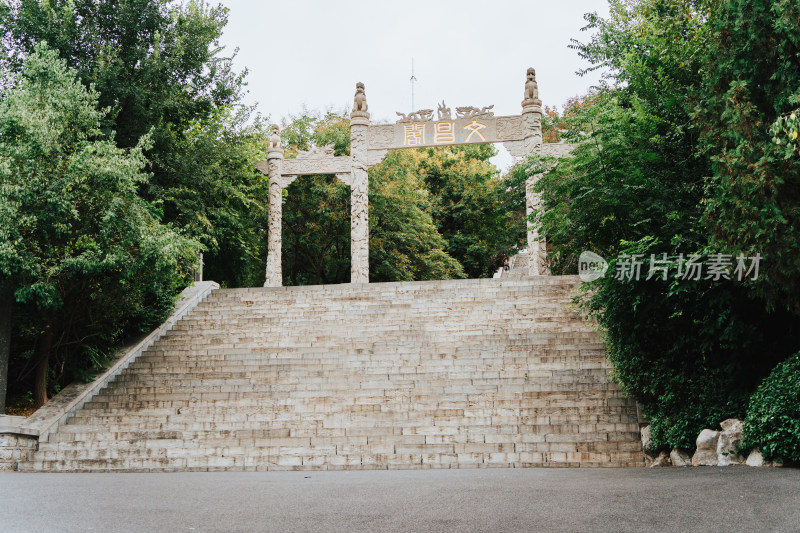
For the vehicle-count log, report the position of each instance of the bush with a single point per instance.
(691, 352)
(773, 416)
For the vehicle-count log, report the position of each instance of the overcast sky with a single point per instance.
(312, 52)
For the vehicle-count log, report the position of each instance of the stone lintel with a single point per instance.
(473, 130)
(304, 167)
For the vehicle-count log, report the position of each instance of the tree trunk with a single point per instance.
(42, 354)
(6, 303)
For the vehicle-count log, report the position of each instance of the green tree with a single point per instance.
(316, 231)
(404, 242)
(218, 197)
(159, 69)
(79, 249)
(469, 205)
(690, 351)
(154, 64)
(316, 211)
(751, 78)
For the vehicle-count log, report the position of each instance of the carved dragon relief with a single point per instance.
(422, 115)
(317, 152)
(444, 113)
(469, 112)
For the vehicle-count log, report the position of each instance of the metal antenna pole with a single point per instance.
(412, 80)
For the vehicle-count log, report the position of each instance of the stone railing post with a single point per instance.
(275, 169)
(359, 194)
(532, 120)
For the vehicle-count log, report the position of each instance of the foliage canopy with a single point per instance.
(82, 252)
(676, 157)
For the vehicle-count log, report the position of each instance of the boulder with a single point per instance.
(662, 460)
(756, 458)
(647, 443)
(706, 453)
(680, 457)
(732, 424)
(730, 439)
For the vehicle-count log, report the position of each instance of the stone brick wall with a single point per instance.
(14, 448)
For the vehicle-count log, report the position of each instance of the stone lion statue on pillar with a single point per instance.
(275, 138)
(531, 89)
(360, 101)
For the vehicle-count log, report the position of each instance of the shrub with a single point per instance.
(691, 352)
(773, 416)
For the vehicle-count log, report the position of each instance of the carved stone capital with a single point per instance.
(374, 157)
(515, 148)
(359, 119)
(286, 180)
(275, 153)
(345, 177)
(532, 106)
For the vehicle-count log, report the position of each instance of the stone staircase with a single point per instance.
(518, 267)
(446, 374)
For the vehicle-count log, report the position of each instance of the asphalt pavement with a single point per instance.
(616, 500)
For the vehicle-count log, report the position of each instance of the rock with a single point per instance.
(647, 443)
(756, 459)
(706, 453)
(662, 460)
(732, 424)
(680, 457)
(730, 439)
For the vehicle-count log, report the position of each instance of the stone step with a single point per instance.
(105, 422)
(174, 449)
(404, 415)
(346, 424)
(453, 374)
(216, 462)
(291, 436)
(240, 380)
(485, 367)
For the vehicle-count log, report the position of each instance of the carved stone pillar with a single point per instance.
(275, 169)
(532, 123)
(359, 195)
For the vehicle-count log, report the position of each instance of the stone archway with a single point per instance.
(369, 143)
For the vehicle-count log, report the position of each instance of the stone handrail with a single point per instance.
(56, 412)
